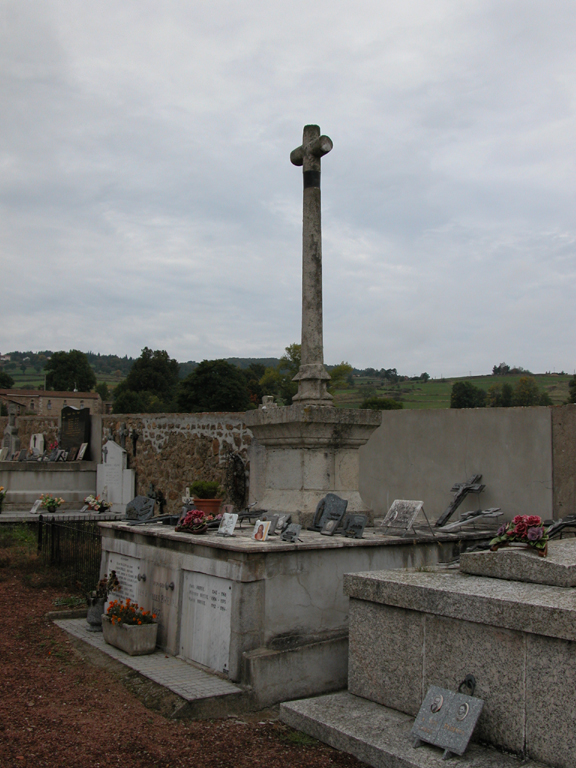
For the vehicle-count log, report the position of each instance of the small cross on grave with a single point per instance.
(460, 491)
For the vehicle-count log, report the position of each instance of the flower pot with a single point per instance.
(133, 639)
(51, 509)
(94, 615)
(210, 506)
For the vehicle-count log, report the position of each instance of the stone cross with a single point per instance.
(312, 376)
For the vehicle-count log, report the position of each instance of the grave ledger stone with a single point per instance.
(310, 449)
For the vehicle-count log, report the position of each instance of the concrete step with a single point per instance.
(379, 736)
(164, 683)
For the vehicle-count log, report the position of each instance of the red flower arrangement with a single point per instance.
(128, 613)
(194, 521)
(525, 530)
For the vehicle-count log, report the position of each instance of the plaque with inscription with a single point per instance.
(331, 507)
(75, 427)
(206, 613)
(131, 573)
(402, 516)
(139, 509)
(227, 524)
(354, 526)
(446, 720)
(291, 533)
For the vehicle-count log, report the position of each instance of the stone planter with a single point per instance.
(135, 640)
(210, 506)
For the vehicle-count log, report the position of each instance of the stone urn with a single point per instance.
(95, 611)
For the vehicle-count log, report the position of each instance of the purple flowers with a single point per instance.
(535, 533)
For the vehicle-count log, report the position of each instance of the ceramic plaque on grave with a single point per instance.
(206, 611)
(447, 720)
(291, 533)
(75, 427)
(141, 508)
(354, 526)
(37, 444)
(401, 516)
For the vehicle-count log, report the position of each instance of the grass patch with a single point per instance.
(300, 739)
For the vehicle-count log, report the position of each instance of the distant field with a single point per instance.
(436, 392)
(31, 379)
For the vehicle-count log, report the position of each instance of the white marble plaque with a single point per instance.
(131, 573)
(206, 610)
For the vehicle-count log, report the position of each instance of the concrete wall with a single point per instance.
(421, 454)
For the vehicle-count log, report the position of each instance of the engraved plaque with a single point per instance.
(206, 609)
(447, 719)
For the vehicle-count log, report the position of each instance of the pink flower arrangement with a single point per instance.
(194, 520)
(522, 529)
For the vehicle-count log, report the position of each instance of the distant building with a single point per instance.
(43, 402)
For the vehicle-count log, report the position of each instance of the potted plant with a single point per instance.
(194, 521)
(50, 503)
(525, 531)
(126, 626)
(3, 493)
(97, 598)
(97, 504)
(206, 495)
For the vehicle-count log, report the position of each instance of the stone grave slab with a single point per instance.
(75, 427)
(206, 612)
(114, 475)
(558, 569)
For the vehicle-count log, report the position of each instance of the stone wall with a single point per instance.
(175, 449)
(31, 425)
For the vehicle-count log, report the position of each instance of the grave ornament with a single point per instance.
(402, 516)
(460, 491)
(331, 507)
(291, 533)
(227, 524)
(354, 526)
(447, 719)
(140, 509)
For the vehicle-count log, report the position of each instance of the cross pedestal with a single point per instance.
(306, 450)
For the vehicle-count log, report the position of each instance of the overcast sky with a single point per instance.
(147, 197)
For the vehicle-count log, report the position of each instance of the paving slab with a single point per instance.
(380, 736)
(181, 678)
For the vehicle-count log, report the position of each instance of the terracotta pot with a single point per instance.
(135, 640)
(210, 506)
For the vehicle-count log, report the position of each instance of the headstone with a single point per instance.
(447, 720)
(23, 455)
(291, 533)
(37, 444)
(331, 507)
(141, 508)
(75, 427)
(114, 474)
(354, 526)
(4, 453)
(123, 432)
(11, 439)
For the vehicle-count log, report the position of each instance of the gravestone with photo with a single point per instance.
(75, 428)
(114, 474)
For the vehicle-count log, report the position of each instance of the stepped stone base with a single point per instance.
(380, 736)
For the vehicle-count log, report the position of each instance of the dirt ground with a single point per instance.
(58, 710)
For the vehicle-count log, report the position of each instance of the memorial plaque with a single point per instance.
(36, 507)
(206, 611)
(354, 526)
(227, 524)
(37, 443)
(284, 521)
(141, 508)
(4, 452)
(447, 719)
(331, 507)
(273, 523)
(291, 533)
(131, 573)
(75, 428)
(329, 527)
(23, 455)
(402, 514)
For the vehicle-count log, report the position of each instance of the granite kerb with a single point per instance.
(533, 608)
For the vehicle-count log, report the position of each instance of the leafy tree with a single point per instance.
(214, 385)
(382, 404)
(499, 396)
(151, 385)
(6, 381)
(526, 393)
(572, 390)
(103, 390)
(341, 377)
(500, 370)
(466, 395)
(253, 374)
(67, 371)
(424, 377)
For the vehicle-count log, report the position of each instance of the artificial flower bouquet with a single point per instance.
(50, 503)
(96, 503)
(523, 530)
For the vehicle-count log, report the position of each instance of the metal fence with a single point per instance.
(73, 545)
